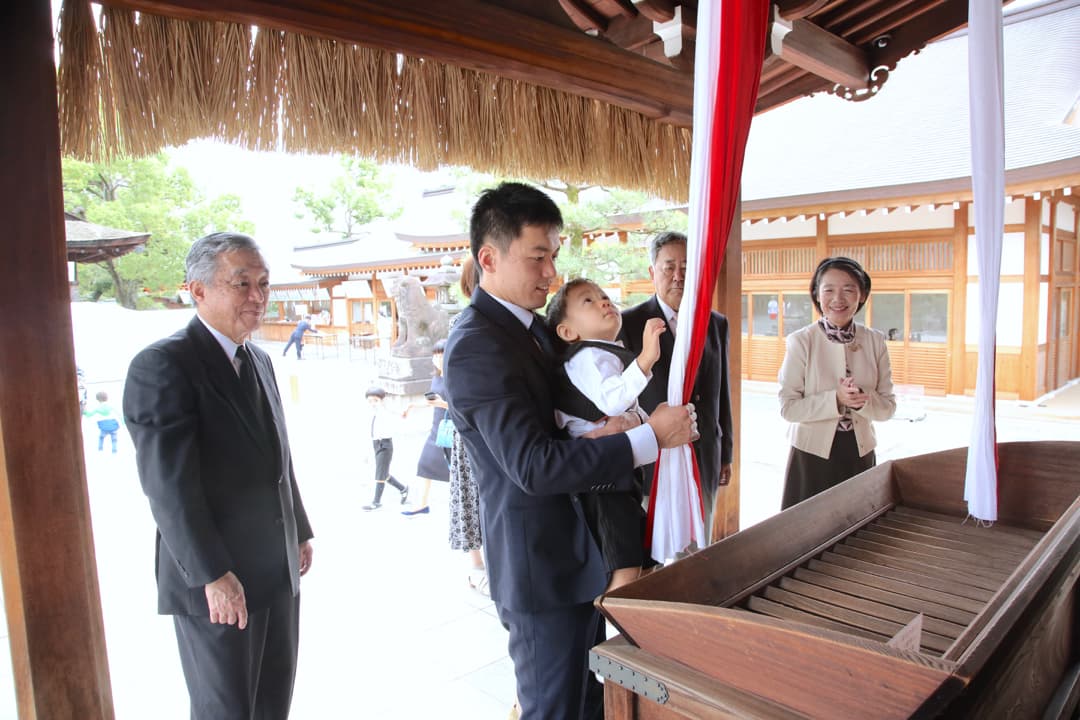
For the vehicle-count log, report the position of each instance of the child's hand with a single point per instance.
(650, 344)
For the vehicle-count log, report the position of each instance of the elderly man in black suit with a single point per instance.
(712, 394)
(544, 567)
(213, 457)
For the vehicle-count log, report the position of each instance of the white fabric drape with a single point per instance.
(678, 520)
(985, 69)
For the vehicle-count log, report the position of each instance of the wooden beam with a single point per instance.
(584, 16)
(656, 10)
(46, 544)
(818, 51)
(795, 9)
(467, 33)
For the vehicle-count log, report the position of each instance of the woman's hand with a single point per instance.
(848, 394)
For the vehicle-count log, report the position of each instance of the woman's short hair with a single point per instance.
(849, 266)
(439, 347)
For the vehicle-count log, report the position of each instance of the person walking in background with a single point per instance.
(434, 463)
(465, 533)
(106, 420)
(600, 378)
(835, 380)
(297, 337)
(382, 441)
(712, 390)
(544, 569)
(233, 538)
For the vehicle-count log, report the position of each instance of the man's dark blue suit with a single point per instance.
(544, 568)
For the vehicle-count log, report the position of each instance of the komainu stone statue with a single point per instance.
(420, 323)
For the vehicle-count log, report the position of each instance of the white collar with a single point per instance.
(666, 309)
(226, 343)
(523, 315)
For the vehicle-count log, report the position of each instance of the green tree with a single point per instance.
(144, 195)
(356, 197)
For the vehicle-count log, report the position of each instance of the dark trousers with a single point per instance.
(550, 651)
(245, 674)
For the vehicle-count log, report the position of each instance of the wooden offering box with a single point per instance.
(872, 600)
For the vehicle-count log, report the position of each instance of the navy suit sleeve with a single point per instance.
(727, 439)
(161, 414)
(505, 406)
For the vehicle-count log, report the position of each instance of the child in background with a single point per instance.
(107, 422)
(382, 424)
(600, 378)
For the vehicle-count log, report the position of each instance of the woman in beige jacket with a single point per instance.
(835, 380)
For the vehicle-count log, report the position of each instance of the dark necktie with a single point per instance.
(539, 331)
(250, 384)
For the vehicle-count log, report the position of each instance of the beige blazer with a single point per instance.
(809, 378)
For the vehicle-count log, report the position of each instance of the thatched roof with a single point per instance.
(514, 88)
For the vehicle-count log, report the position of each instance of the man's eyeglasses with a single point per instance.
(244, 288)
(669, 270)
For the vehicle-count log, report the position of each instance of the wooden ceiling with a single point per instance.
(846, 47)
(636, 54)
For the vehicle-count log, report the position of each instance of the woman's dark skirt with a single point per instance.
(808, 474)
(434, 461)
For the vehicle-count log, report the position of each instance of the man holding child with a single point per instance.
(544, 568)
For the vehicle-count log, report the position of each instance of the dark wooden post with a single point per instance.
(728, 300)
(46, 545)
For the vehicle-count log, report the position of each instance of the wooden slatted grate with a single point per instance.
(876, 580)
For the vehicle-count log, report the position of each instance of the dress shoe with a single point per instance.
(372, 506)
(404, 494)
(421, 511)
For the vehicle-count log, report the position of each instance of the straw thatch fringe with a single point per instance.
(143, 82)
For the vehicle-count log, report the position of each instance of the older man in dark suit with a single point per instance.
(213, 458)
(544, 567)
(712, 394)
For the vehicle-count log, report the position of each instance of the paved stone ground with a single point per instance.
(390, 628)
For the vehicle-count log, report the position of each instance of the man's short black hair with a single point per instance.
(439, 347)
(851, 267)
(375, 392)
(501, 212)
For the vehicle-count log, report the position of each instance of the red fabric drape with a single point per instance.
(729, 65)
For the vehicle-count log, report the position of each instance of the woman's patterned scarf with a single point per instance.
(844, 336)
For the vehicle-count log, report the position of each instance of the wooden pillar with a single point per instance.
(822, 240)
(46, 545)
(728, 300)
(1053, 314)
(1029, 349)
(958, 322)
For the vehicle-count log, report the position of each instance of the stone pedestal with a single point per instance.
(405, 376)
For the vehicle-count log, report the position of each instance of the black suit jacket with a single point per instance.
(712, 394)
(540, 553)
(221, 488)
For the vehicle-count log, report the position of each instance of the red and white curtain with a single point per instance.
(987, 109)
(727, 66)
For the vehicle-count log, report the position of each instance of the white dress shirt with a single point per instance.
(600, 376)
(642, 438)
(226, 343)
